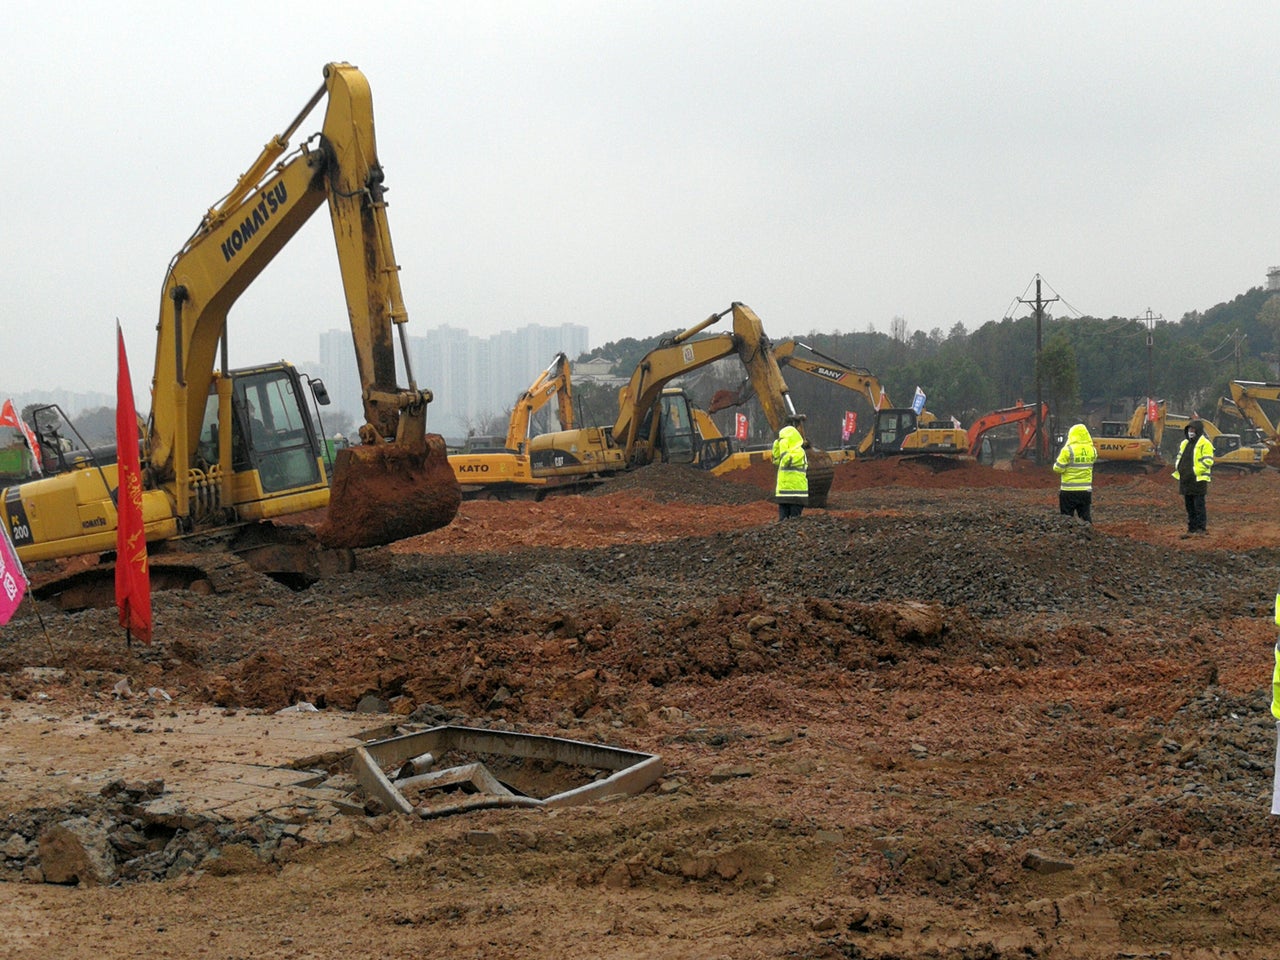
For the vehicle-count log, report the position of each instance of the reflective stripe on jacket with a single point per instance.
(793, 465)
(1275, 673)
(1076, 459)
(1203, 457)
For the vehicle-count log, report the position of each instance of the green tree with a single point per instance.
(1059, 378)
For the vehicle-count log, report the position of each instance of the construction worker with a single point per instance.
(1075, 465)
(1275, 712)
(792, 490)
(1192, 470)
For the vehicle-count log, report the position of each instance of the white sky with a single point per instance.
(636, 166)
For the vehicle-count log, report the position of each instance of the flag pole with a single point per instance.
(43, 629)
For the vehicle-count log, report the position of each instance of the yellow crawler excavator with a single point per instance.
(226, 452)
(657, 424)
(508, 473)
(895, 431)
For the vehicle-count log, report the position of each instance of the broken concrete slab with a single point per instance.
(614, 770)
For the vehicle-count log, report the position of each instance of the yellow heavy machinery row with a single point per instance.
(227, 453)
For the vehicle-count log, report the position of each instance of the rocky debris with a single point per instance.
(676, 483)
(129, 834)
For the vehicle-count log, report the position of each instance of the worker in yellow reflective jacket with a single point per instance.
(1275, 674)
(1075, 465)
(1275, 712)
(792, 490)
(1192, 471)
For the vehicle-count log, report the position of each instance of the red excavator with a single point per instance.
(1021, 414)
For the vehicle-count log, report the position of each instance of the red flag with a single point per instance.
(740, 426)
(850, 425)
(9, 418)
(133, 579)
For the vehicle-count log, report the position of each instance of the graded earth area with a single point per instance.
(936, 719)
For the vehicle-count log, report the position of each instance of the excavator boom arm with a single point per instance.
(552, 382)
(685, 354)
(237, 240)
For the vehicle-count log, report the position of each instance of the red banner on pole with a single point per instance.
(850, 425)
(740, 426)
(133, 578)
(9, 418)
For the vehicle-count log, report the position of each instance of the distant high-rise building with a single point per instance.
(474, 380)
(1273, 279)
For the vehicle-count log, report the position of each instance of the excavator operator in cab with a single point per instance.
(792, 490)
(1075, 465)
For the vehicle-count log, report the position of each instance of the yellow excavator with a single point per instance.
(896, 431)
(1247, 397)
(658, 424)
(1132, 445)
(226, 452)
(506, 472)
(1230, 450)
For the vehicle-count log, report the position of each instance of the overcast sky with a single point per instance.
(637, 166)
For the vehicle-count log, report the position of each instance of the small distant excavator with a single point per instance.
(504, 469)
(1024, 417)
(896, 431)
(657, 424)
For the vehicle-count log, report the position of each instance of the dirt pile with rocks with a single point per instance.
(934, 719)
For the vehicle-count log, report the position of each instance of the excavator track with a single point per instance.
(227, 560)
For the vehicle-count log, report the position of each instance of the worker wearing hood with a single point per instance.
(1075, 467)
(1192, 471)
(792, 490)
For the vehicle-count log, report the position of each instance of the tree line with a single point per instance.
(1090, 368)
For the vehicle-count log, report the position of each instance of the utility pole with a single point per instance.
(1150, 320)
(1039, 305)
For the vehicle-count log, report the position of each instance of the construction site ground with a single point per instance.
(936, 719)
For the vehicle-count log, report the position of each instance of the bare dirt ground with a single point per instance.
(933, 720)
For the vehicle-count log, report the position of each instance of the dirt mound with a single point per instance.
(935, 720)
(675, 483)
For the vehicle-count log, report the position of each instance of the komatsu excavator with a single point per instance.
(655, 424)
(228, 451)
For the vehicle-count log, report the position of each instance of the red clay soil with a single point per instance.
(934, 720)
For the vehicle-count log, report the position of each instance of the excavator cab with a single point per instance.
(272, 432)
(670, 424)
(892, 427)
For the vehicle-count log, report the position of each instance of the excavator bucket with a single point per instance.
(821, 473)
(388, 491)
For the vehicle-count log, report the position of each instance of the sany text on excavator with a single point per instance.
(896, 431)
(658, 424)
(229, 450)
(1133, 445)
